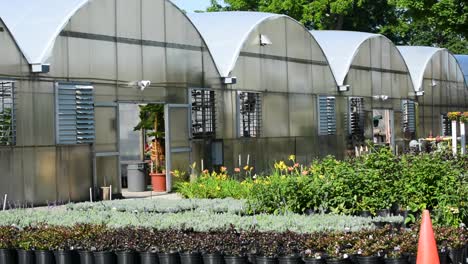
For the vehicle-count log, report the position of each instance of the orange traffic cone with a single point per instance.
(427, 247)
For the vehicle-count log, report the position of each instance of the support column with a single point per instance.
(454, 138)
(463, 138)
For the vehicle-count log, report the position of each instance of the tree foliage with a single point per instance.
(442, 23)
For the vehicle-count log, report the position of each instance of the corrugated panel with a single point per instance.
(327, 115)
(408, 109)
(75, 114)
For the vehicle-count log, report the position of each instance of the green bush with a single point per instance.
(372, 182)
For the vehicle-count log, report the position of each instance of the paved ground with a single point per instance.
(150, 195)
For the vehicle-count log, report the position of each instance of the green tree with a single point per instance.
(442, 23)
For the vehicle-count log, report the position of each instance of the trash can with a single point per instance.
(136, 177)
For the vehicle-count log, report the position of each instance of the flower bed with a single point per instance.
(373, 182)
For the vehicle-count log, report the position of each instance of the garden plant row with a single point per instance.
(197, 221)
(227, 205)
(373, 183)
(101, 245)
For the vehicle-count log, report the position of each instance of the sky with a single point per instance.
(192, 5)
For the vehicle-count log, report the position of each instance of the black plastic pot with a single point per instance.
(212, 258)
(6, 256)
(235, 260)
(456, 255)
(400, 260)
(383, 212)
(289, 260)
(338, 261)
(125, 257)
(104, 257)
(313, 261)
(368, 259)
(149, 258)
(44, 257)
(266, 260)
(190, 258)
(251, 258)
(365, 214)
(412, 259)
(443, 257)
(86, 257)
(64, 257)
(25, 256)
(168, 258)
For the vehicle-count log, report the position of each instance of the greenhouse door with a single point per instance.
(178, 143)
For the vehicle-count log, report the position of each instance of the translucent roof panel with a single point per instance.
(35, 24)
(340, 48)
(417, 58)
(463, 62)
(225, 33)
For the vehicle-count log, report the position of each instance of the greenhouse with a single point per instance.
(108, 95)
(378, 98)
(463, 62)
(439, 86)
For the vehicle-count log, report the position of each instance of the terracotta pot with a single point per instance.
(158, 181)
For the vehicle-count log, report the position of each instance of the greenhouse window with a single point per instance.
(446, 125)
(408, 109)
(7, 114)
(75, 114)
(203, 113)
(250, 114)
(327, 115)
(356, 116)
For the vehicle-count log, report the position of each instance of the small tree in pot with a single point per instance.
(152, 118)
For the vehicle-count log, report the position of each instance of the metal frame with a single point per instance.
(12, 138)
(213, 118)
(318, 115)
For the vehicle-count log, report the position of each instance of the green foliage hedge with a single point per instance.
(379, 180)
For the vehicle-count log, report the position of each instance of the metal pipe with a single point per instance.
(91, 194)
(4, 202)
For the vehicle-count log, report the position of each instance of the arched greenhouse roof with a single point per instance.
(417, 59)
(226, 32)
(340, 48)
(34, 25)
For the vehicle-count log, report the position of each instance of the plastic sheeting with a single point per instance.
(35, 24)
(225, 33)
(340, 48)
(417, 59)
(463, 62)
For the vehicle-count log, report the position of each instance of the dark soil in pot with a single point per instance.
(190, 258)
(125, 257)
(368, 260)
(25, 256)
(169, 258)
(86, 257)
(44, 257)
(289, 260)
(214, 258)
(235, 260)
(104, 257)
(266, 260)
(313, 261)
(7, 256)
(338, 261)
(148, 258)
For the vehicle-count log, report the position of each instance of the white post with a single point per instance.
(91, 194)
(202, 165)
(463, 138)
(4, 202)
(110, 192)
(240, 160)
(454, 138)
(248, 159)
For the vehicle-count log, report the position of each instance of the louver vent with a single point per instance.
(75, 114)
(327, 116)
(409, 116)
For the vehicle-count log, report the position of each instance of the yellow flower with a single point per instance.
(218, 188)
(246, 167)
(292, 157)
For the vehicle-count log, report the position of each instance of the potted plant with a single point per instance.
(289, 248)
(211, 247)
(168, 247)
(189, 250)
(267, 247)
(126, 241)
(7, 237)
(235, 247)
(152, 118)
